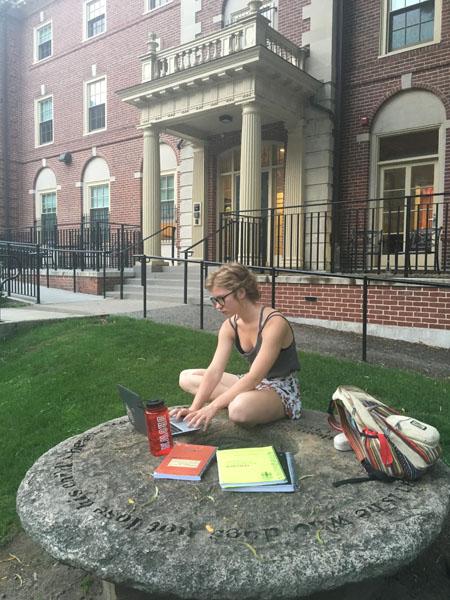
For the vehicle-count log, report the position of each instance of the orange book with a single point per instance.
(185, 461)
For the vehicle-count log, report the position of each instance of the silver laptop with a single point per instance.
(135, 411)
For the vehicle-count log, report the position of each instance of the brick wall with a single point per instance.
(290, 21)
(370, 80)
(398, 306)
(10, 115)
(92, 284)
(116, 55)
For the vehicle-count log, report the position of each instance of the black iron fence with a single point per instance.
(24, 266)
(402, 234)
(19, 269)
(96, 242)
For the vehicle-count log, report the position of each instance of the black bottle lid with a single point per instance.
(154, 404)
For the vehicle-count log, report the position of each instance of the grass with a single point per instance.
(59, 379)
(6, 302)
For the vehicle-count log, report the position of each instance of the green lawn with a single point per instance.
(59, 379)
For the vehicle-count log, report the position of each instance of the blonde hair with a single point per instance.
(233, 276)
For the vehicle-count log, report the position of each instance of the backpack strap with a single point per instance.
(332, 421)
(372, 475)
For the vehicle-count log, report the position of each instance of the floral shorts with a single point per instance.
(289, 391)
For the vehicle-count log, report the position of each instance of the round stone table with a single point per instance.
(91, 502)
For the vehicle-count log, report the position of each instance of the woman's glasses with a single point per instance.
(220, 300)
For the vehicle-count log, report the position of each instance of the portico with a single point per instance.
(237, 80)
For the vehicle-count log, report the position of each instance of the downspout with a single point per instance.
(5, 116)
(338, 21)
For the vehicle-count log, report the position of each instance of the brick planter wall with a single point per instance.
(413, 313)
(85, 283)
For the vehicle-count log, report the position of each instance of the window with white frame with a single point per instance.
(152, 4)
(167, 184)
(48, 212)
(99, 204)
(410, 23)
(44, 110)
(43, 42)
(95, 18)
(96, 105)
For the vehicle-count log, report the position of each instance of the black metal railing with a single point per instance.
(20, 269)
(272, 274)
(37, 261)
(96, 242)
(401, 235)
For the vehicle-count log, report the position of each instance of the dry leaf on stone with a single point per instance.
(153, 498)
(252, 550)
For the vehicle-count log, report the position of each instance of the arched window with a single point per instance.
(408, 146)
(96, 193)
(46, 203)
(234, 10)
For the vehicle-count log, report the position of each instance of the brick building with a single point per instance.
(394, 142)
(81, 148)
(309, 133)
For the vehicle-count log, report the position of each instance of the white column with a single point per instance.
(250, 183)
(293, 184)
(198, 197)
(293, 196)
(151, 192)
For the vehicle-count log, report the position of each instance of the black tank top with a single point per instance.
(287, 361)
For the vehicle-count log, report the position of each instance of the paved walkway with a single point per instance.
(60, 304)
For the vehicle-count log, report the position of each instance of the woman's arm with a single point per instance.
(213, 373)
(274, 337)
(216, 368)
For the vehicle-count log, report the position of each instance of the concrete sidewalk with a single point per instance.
(60, 304)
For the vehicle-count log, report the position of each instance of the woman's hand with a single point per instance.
(180, 412)
(201, 418)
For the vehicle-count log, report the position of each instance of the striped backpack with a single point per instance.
(388, 444)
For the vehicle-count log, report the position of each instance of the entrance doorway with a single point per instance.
(250, 234)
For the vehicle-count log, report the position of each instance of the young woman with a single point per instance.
(269, 391)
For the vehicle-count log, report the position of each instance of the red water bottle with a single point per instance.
(158, 427)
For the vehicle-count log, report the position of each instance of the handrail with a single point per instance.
(352, 202)
(9, 279)
(203, 239)
(187, 250)
(275, 271)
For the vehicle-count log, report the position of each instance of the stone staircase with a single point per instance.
(163, 287)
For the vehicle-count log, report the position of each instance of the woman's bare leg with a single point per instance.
(256, 407)
(190, 380)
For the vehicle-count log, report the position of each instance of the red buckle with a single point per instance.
(385, 449)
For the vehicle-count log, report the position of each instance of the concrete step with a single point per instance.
(167, 285)
(174, 273)
(178, 283)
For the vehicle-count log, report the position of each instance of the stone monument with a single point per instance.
(91, 502)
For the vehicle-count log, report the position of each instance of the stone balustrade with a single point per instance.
(248, 32)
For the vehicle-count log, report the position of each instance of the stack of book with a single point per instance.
(185, 461)
(256, 470)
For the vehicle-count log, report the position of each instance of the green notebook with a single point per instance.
(249, 466)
